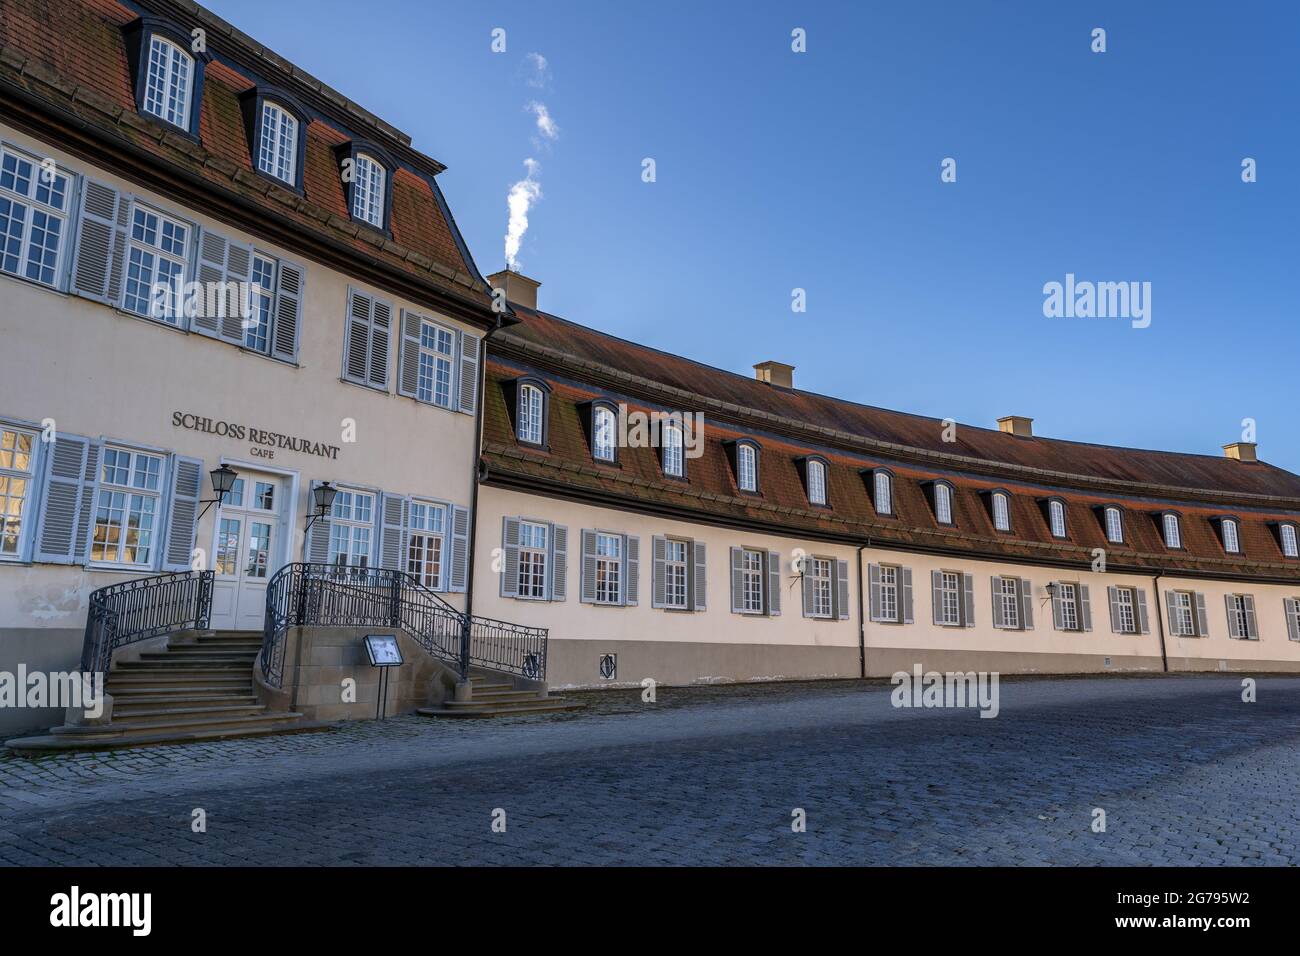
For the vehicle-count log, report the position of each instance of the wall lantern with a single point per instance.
(323, 497)
(223, 479)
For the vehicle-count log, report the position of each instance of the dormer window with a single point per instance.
(674, 458)
(1287, 535)
(1173, 531)
(604, 430)
(1001, 511)
(368, 189)
(1114, 522)
(277, 149)
(1056, 518)
(943, 502)
(531, 403)
(169, 82)
(747, 467)
(1230, 535)
(816, 481)
(883, 487)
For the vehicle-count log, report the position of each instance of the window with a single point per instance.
(751, 569)
(259, 550)
(1008, 597)
(1292, 608)
(1001, 512)
(943, 503)
(530, 414)
(609, 564)
(257, 328)
(889, 605)
(1114, 525)
(33, 218)
(1238, 616)
(1125, 611)
(532, 560)
(17, 465)
(1289, 548)
(228, 547)
(368, 190)
(168, 82)
(433, 376)
(1069, 607)
(747, 467)
(1173, 534)
(126, 514)
(277, 150)
(426, 524)
(1182, 614)
(884, 489)
(156, 266)
(821, 572)
(816, 482)
(1056, 518)
(1231, 540)
(676, 565)
(603, 433)
(673, 454)
(948, 611)
(352, 522)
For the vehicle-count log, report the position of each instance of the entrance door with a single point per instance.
(247, 551)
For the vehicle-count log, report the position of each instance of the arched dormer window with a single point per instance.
(672, 449)
(1000, 508)
(1056, 522)
(941, 500)
(1229, 529)
(166, 71)
(604, 433)
(367, 173)
(1288, 540)
(882, 492)
(1171, 529)
(277, 143)
(527, 399)
(815, 473)
(1112, 520)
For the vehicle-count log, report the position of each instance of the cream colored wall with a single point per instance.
(1200, 653)
(102, 373)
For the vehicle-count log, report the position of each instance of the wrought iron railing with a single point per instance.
(142, 608)
(327, 595)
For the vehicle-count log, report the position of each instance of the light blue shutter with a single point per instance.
(658, 571)
(408, 362)
(290, 288)
(807, 586)
(1233, 630)
(908, 616)
(468, 374)
(510, 557)
(239, 269)
(1144, 623)
(1112, 597)
(1202, 619)
(380, 330)
(1026, 605)
(999, 618)
(356, 347)
(968, 600)
(587, 585)
(559, 562)
(631, 569)
(936, 596)
(873, 583)
(393, 512)
(317, 545)
(737, 581)
(773, 584)
(842, 590)
(1252, 624)
(101, 243)
(459, 548)
(213, 249)
(699, 596)
(1292, 625)
(183, 513)
(67, 500)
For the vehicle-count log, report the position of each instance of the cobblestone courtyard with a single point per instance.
(1186, 772)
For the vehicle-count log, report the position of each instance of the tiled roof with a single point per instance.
(70, 57)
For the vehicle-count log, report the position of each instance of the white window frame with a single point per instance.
(674, 451)
(432, 524)
(533, 572)
(1126, 604)
(1238, 621)
(1009, 598)
(943, 503)
(1184, 623)
(1173, 532)
(1290, 545)
(1115, 528)
(29, 500)
(1231, 536)
(277, 146)
(129, 491)
(368, 189)
(753, 581)
(747, 467)
(891, 606)
(816, 482)
(677, 571)
(343, 515)
(173, 311)
(1056, 518)
(609, 568)
(950, 597)
(883, 484)
(1001, 511)
(1294, 612)
(169, 78)
(434, 367)
(531, 406)
(55, 206)
(604, 433)
(1071, 619)
(822, 572)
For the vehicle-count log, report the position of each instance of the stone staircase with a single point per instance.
(193, 690)
(492, 695)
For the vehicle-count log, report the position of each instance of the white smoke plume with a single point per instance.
(539, 71)
(523, 195)
(545, 124)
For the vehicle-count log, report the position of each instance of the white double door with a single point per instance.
(249, 548)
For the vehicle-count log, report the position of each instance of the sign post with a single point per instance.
(384, 652)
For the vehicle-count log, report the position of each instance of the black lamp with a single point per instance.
(223, 479)
(323, 496)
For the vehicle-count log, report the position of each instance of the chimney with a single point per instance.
(1017, 425)
(1241, 451)
(520, 289)
(775, 373)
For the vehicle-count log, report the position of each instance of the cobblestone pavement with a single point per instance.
(1186, 772)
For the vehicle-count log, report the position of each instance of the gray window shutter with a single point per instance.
(392, 547)
(408, 362)
(288, 311)
(67, 500)
(101, 243)
(468, 375)
(510, 557)
(1171, 612)
(936, 595)
(699, 596)
(1252, 624)
(379, 335)
(1112, 596)
(999, 619)
(873, 583)
(1202, 619)
(356, 359)
(906, 575)
(1144, 622)
(658, 573)
(1292, 626)
(1058, 620)
(213, 249)
(587, 593)
(773, 584)
(806, 585)
(1026, 592)
(968, 600)
(737, 581)
(1085, 608)
(183, 512)
(1233, 630)
(842, 590)
(631, 569)
(239, 269)
(559, 562)
(459, 548)
(318, 538)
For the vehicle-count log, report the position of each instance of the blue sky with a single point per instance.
(820, 171)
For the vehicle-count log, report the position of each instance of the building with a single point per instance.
(212, 262)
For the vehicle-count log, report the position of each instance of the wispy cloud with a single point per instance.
(523, 195)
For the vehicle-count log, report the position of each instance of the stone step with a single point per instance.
(215, 645)
(207, 684)
(137, 737)
(198, 654)
(174, 725)
(470, 708)
(144, 700)
(502, 696)
(489, 688)
(192, 708)
(184, 663)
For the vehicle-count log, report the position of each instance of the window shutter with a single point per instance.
(68, 500)
(631, 570)
(510, 558)
(392, 547)
(379, 333)
(699, 596)
(288, 312)
(737, 581)
(873, 583)
(1026, 592)
(968, 600)
(1058, 619)
(469, 361)
(1171, 613)
(1292, 625)
(1233, 630)
(999, 619)
(318, 538)
(356, 360)
(1144, 623)
(906, 575)
(1202, 619)
(936, 595)
(239, 268)
(773, 584)
(806, 585)
(587, 594)
(213, 249)
(659, 571)
(559, 562)
(1252, 624)
(101, 243)
(1112, 597)
(842, 590)
(183, 512)
(408, 362)
(459, 548)
(1085, 608)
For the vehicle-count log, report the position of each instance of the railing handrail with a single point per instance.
(142, 608)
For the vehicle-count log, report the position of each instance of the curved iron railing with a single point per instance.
(142, 608)
(329, 595)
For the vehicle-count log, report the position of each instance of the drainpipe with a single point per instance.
(862, 621)
(1160, 624)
